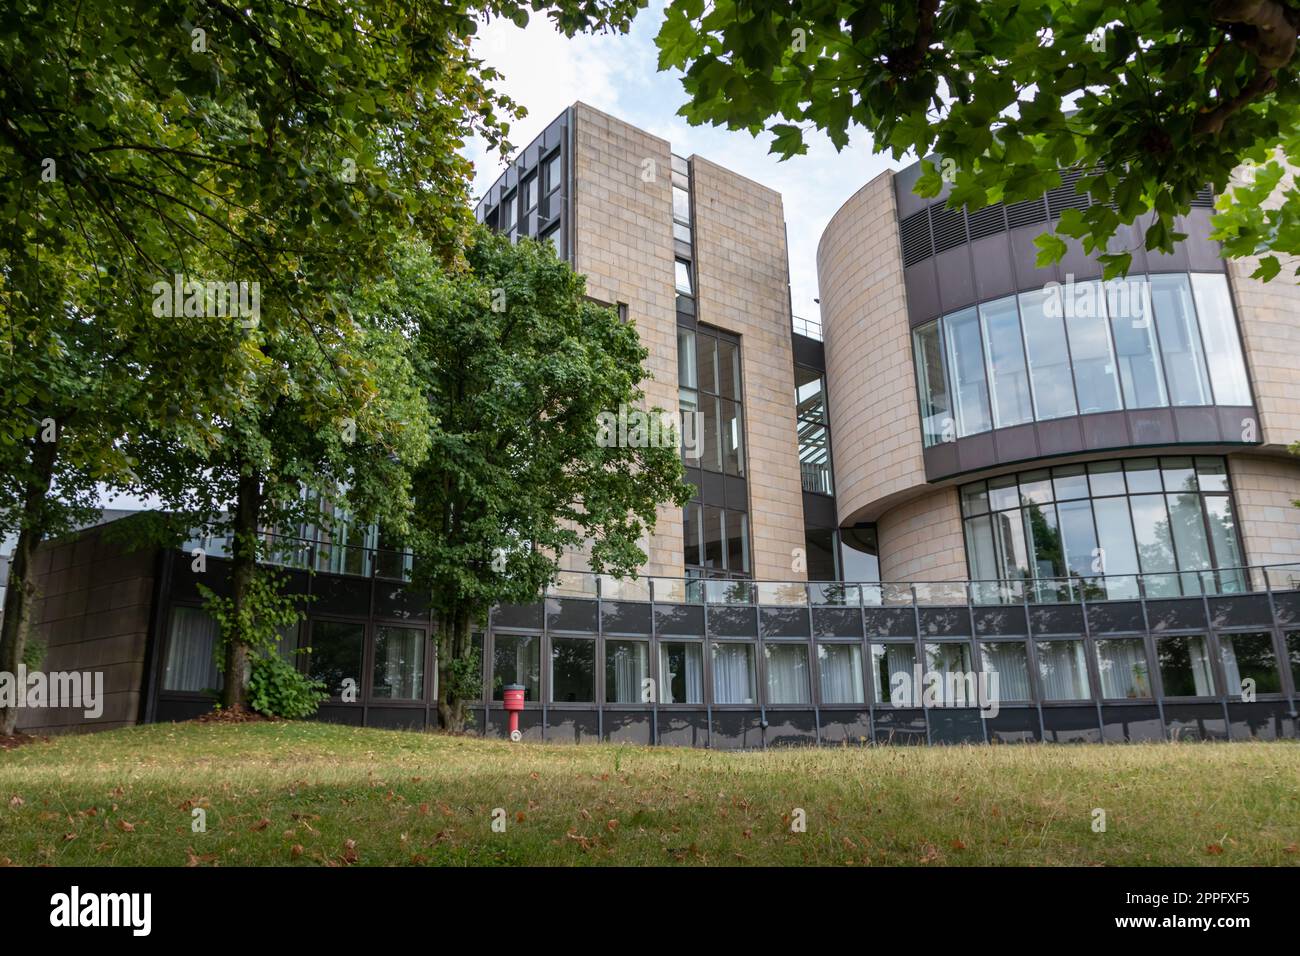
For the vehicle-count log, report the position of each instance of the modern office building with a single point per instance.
(1080, 487)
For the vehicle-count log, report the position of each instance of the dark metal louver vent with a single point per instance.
(1066, 196)
(1026, 213)
(1204, 199)
(914, 236)
(988, 221)
(949, 227)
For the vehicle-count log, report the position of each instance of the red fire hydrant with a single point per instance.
(514, 699)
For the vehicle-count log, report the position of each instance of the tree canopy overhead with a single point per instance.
(1153, 99)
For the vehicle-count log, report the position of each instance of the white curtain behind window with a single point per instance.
(1064, 670)
(694, 676)
(1007, 659)
(841, 673)
(1123, 667)
(787, 674)
(631, 661)
(733, 673)
(189, 652)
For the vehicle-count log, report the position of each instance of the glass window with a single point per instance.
(509, 212)
(1212, 474)
(737, 541)
(681, 672)
(627, 667)
(1223, 537)
(1250, 657)
(820, 543)
(683, 277)
(1000, 322)
(553, 237)
(1155, 545)
(530, 193)
(710, 452)
(336, 655)
(956, 680)
(1222, 345)
(840, 666)
(688, 402)
(1008, 660)
(1185, 666)
(787, 673)
(1106, 478)
(974, 499)
(1063, 670)
(686, 360)
(729, 369)
(1178, 474)
(732, 434)
(554, 173)
(1049, 357)
(1079, 538)
(1128, 301)
(936, 414)
(894, 667)
(1069, 482)
(681, 204)
(1122, 664)
(682, 232)
(733, 673)
(814, 439)
(1293, 654)
(1035, 487)
(573, 670)
(517, 659)
(713, 537)
(967, 373)
(707, 363)
(190, 644)
(1096, 381)
(1117, 553)
(1180, 340)
(399, 663)
(1044, 541)
(691, 533)
(980, 550)
(1143, 475)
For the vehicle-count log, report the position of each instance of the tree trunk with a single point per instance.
(453, 645)
(22, 577)
(243, 564)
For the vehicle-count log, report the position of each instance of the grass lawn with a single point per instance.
(312, 794)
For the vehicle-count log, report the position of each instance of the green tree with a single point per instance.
(1152, 99)
(274, 142)
(518, 365)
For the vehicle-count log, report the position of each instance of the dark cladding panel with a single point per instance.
(837, 622)
(955, 725)
(945, 621)
(1115, 617)
(628, 727)
(1024, 255)
(571, 614)
(894, 726)
(1071, 725)
(1059, 436)
(727, 621)
(1262, 720)
(528, 616)
(977, 451)
(683, 729)
(1014, 725)
(1176, 613)
(1197, 424)
(890, 622)
(350, 714)
(996, 620)
(1104, 430)
(790, 728)
(783, 621)
(922, 287)
(572, 727)
(1195, 722)
(1016, 444)
(1133, 724)
(679, 619)
(994, 276)
(736, 730)
(956, 283)
(846, 727)
(1056, 619)
(1287, 604)
(395, 600)
(396, 718)
(625, 617)
(1152, 426)
(530, 724)
(335, 594)
(1241, 610)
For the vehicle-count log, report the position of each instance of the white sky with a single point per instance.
(546, 73)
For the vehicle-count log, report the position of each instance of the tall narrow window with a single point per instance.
(1000, 322)
(1129, 304)
(1180, 340)
(1222, 344)
(967, 373)
(936, 412)
(1096, 380)
(683, 277)
(1049, 357)
(814, 435)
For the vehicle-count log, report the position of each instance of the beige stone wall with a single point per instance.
(743, 287)
(1264, 488)
(871, 384)
(624, 245)
(1269, 316)
(921, 539)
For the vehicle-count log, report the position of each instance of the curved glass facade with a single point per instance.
(1089, 530)
(1079, 348)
